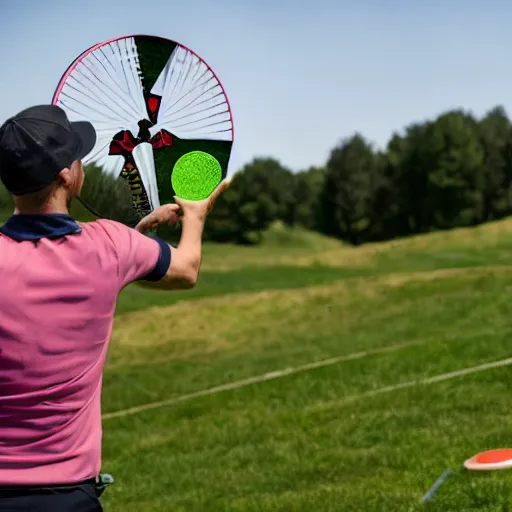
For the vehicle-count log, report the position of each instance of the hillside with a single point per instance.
(302, 382)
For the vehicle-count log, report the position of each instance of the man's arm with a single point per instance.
(183, 270)
(185, 262)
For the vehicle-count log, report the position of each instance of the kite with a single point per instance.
(163, 122)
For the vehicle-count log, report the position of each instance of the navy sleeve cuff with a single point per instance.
(164, 260)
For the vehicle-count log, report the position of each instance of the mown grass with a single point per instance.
(232, 269)
(316, 440)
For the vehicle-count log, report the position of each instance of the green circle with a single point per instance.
(196, 175)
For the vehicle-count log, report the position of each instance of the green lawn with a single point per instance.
(318, 439)
(353, 435)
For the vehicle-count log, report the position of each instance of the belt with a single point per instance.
(16, 489)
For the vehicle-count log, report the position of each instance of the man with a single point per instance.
(59, 281)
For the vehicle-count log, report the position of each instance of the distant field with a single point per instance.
(317, 439)
(307, 259)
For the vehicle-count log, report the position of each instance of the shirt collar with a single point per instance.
(22, 227)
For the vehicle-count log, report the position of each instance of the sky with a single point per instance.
(300, 76)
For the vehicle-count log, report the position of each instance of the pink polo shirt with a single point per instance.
(57, 303)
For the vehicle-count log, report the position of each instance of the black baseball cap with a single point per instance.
(37, 143)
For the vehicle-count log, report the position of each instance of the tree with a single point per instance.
(108, 195)
(388, 214)
(308, 189)
(6, 200)
(347, 195)
(494, 132)
(262, 192)
(436, 169)
(454, 156)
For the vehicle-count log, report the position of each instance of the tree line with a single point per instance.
(451, 171)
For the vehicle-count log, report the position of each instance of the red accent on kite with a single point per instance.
(153, 104)
(123, 142)
(162, 139)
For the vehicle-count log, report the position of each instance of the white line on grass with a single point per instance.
(307, 367)
(260, 378)
(428, 380)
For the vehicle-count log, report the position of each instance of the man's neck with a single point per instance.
(48, 209)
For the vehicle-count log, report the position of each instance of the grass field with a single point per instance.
(349, 424)
(341, 436)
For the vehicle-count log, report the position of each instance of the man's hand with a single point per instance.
(173, 213)
(165, 214)
(201, 209)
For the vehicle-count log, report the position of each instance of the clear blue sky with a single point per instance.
(300, 75)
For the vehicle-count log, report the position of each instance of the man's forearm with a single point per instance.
(185, 258)
(191, 240)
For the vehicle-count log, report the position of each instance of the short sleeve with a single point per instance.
(139, 257)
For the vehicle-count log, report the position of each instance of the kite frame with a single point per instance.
(93, 48)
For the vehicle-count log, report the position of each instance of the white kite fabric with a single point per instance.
(194, 105)
(105, 86)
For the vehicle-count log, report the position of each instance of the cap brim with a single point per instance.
(87, 136)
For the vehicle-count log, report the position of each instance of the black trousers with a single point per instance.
(77, 498)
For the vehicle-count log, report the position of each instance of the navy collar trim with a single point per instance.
(25, 227)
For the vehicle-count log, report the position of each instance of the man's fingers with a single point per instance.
(144, 225)
(205, 205)
(175, 217)
(165, 214)
(140, 225)
(175, 208)
(151, 221)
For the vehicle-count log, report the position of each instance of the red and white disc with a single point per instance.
(490, 460)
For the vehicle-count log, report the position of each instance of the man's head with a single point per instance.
(41, 153)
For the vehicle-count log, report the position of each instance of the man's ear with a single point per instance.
(66, 177)
(76, 166)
